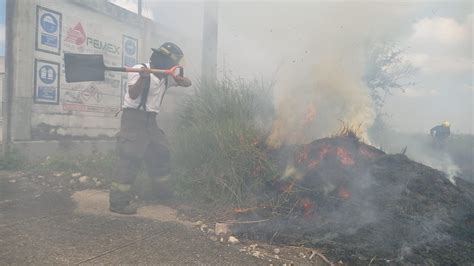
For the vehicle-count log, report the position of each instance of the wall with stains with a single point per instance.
(44, 106)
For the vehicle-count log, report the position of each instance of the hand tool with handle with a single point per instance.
(91, 67)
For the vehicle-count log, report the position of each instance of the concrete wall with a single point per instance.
(2, 83)
(42, 110)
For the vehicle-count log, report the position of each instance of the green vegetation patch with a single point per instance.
(216, 153)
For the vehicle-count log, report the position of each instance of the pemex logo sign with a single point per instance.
(77, 36)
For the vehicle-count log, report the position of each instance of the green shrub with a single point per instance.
(215, 152)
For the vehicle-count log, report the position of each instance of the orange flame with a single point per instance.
(313, 164)
(344, 156)
(344, 193)
(325, 149)
(307, 205)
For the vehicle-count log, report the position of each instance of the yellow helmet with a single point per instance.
(446, 124)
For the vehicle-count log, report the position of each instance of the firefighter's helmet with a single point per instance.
(171, 50)
(166, 57)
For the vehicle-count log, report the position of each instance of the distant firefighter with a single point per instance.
(440, 133)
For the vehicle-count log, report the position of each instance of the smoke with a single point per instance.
(332, 91)
(314, 52)
(439, 160)
(420, 148)
(331, 86)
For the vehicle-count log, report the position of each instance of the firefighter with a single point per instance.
(440, 134)
(140, 139)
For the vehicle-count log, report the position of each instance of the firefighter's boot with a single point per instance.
(120, 199)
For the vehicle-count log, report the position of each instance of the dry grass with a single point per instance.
(349, 131)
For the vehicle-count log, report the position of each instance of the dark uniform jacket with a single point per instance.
(440, 132)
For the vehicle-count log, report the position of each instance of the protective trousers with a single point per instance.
(139, 140)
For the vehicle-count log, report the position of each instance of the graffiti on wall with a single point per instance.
(84, 95)
(89, 98)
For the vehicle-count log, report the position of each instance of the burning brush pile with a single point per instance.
(349, 199)
(360, 205)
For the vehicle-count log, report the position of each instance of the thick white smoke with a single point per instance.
(317, 52)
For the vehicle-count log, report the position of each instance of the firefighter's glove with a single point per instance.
(143, 73)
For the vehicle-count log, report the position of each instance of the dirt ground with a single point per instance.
(44, 220)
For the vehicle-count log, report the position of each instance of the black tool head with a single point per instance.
(84, 67)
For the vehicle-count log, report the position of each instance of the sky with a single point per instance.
(441, 47)
(257, 37)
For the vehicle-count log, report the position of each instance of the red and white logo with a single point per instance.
(76, 35)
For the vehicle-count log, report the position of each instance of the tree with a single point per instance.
(387, 70)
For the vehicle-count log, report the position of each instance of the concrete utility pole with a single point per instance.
(209, 43)
(10, 7)
(140, 7)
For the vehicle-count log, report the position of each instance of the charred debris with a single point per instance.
(359, 205)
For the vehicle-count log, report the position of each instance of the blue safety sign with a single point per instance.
(49, 23)
(130, 47)
(48, 30)
(130, 51)
(47, 74)
(46, 82)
